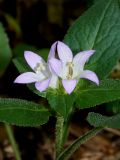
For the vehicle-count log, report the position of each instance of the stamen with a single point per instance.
(70, 64)
(40, 67)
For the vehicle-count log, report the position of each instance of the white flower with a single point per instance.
(43, 76)
(70, 69)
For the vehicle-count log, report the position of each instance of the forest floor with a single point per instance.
(38, 144)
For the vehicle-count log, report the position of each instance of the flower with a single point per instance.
(70, 69)
(43, 76)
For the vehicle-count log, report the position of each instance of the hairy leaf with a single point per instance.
(99, 29)
(22, 113)
(61, 103)
(108, 90)
(99, 120)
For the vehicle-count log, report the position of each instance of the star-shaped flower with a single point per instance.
(70, 69)
(43, 76)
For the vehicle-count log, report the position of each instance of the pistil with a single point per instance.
(70, 70)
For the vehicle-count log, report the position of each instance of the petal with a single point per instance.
(81, 58)
(33, 59)
(90, 76)
(52, 50)
(28, 77)
(56, 66)
(54, 81)
(64, 52)
(42, 86)
(64, 71)
(69, 85)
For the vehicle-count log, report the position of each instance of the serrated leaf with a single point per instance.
(5, 51)
(98, 120)
(22, 113)
(98, 28)
(108, 90)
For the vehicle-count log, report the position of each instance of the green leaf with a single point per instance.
(113, 107)
(13, 23)
(57, 103)
(108, 90)
(98, 120)
(5, 51)
(61, 103)
(22, 113)
(21, 47)
(44, 53)
(21, 64)
(99, 29)
(33, 89)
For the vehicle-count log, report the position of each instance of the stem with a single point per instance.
(13, 142)
(75, 145)
(65, 131)
(59, 134)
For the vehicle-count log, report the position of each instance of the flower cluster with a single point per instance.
(66, 67)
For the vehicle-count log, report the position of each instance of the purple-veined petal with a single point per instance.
(64, 52)
(28, 77)
(56, 66)
(69, 85)
(33, 59)
(43, 85)
(81, 58)
(52, 51)
(90, 76)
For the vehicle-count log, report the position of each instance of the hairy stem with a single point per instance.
(62, 131)
(13, 142)
(76, 144)
(59, 134)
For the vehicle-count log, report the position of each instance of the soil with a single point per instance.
(39, 143)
